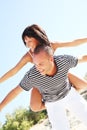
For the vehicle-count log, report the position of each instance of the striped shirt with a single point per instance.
(54, 87)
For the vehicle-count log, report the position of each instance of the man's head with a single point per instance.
(43, 59)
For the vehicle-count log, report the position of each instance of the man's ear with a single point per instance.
(51, 58)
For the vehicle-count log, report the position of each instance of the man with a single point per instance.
(50, 75)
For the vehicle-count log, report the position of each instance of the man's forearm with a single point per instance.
(11, 95)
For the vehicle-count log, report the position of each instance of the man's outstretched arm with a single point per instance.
(10, 96)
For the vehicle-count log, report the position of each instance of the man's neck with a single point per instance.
(53, 70)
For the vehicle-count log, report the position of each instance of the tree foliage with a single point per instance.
(23, 119)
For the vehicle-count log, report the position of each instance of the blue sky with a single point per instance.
(63, 20)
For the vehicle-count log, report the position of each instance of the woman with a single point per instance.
(32, 36)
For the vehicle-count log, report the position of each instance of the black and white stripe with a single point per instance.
(55, 87)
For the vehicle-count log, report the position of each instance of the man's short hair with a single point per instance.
(44, 48)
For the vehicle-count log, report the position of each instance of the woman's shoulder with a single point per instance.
(55, 45)
(28, 56)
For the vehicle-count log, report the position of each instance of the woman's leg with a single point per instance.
(77, 82)
(36, 103)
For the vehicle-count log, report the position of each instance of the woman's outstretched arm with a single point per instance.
(73, 43)
(24, 60)
(27, 57)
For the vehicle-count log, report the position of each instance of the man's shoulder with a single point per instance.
(61, 56)
(32, 72)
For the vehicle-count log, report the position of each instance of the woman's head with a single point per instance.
(36, 34)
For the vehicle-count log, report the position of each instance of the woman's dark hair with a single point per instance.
(36, 32)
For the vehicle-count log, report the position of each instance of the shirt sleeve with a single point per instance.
(72, 61)
(26, 82)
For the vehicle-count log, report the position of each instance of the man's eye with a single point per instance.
(41, 64)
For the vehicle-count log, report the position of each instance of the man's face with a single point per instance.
(43, 62)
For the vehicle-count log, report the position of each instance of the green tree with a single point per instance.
(23, 119)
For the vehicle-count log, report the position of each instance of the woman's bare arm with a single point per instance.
(27, 57)
(24, 60)
(74, 43)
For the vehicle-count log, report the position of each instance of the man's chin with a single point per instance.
(42, 73)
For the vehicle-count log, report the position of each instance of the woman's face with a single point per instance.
(31, 42)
